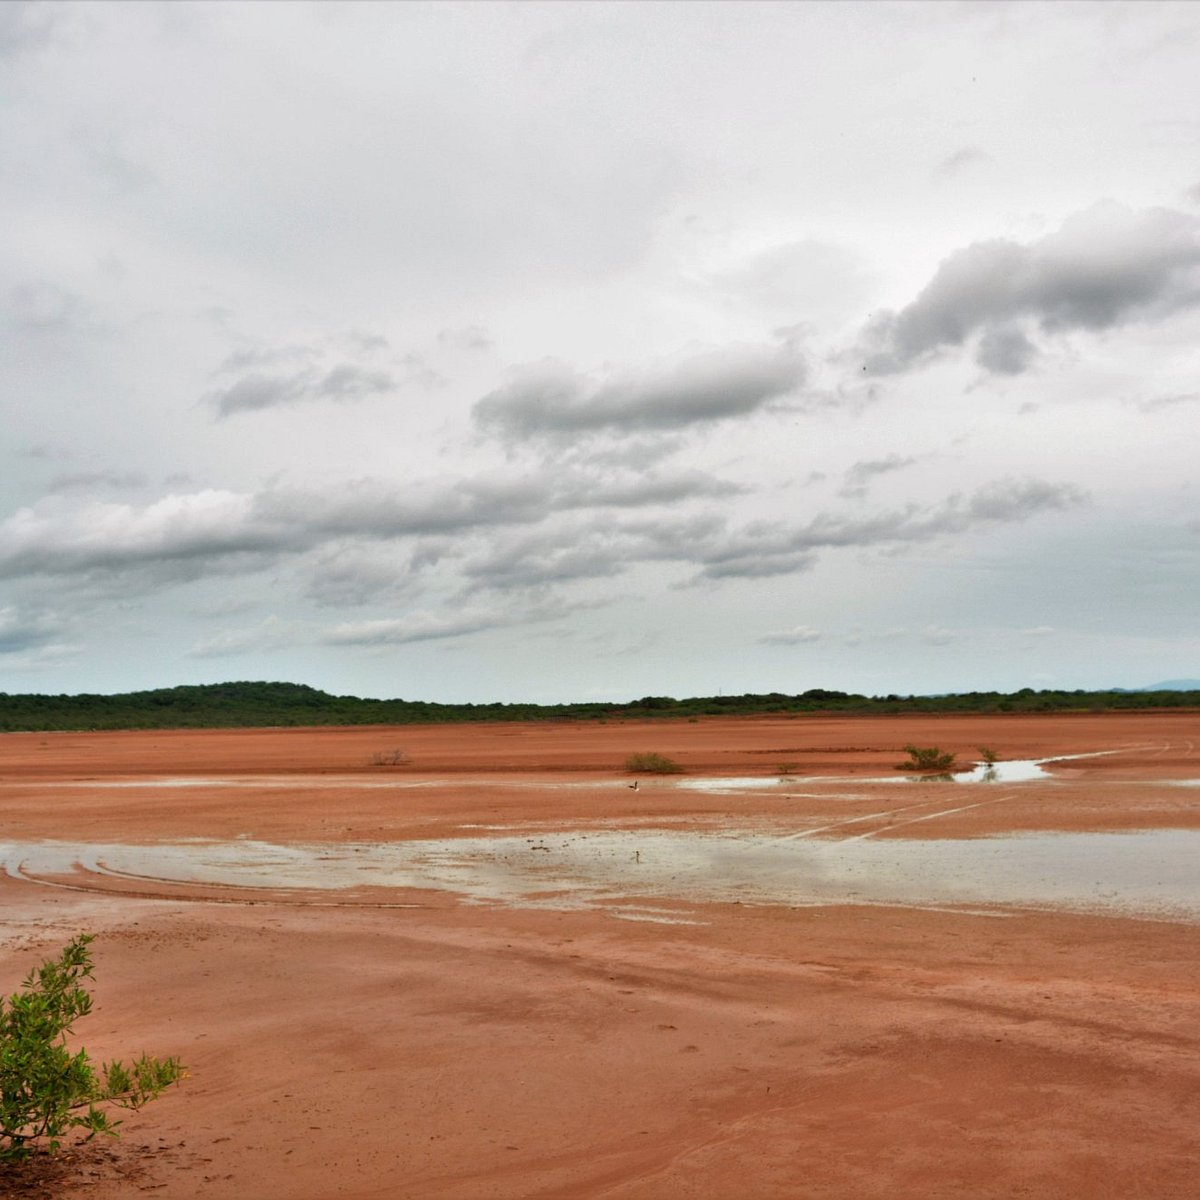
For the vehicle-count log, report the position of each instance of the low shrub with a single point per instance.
(45, 1090)
(652, 764)
(396, 757)
(930, 760)
(989, 757)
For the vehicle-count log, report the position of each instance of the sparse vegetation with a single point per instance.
(988, 757)
(928, 760)
(396, 757)
(45, 1089)
(787, 768)
(652, 764)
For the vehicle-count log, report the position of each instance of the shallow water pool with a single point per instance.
(1148, 873)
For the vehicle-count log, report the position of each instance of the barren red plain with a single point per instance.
(414, 1040)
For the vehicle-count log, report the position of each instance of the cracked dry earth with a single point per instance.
(450, 1036)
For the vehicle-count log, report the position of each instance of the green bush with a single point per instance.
(929, 760)
(989, 757)
(652, 764)
(45, 1090)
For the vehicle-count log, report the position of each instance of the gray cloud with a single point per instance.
(594, 548)
(552, 399)
(1158, 402)
(1008, 500)
(228, 606)
(54, 539)
(25, 26)
(423, 626)
(183, 537)
(20, 632)
(769, 548)
(935, 635)
(757, 559)
(1005, 350)
(643, 491)
(418, 628)
(45, 309)
(45, 453)
(549, 556)
(252, 356)
(602, 548)
(965, 157)
(180, 536)
(341, 383)
(94, 480)
(1105, 266)
(468, 337)
(796, 636)
(859, 476)
(427, 627)
(374, 509)
(358, 573)
(555, 564)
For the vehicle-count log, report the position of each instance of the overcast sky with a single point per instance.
(574, 351)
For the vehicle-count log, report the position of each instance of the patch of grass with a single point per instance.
(989, 757)
(787, 768)
(928, 760)
(652, 764)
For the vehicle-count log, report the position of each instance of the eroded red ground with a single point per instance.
(463, 1051)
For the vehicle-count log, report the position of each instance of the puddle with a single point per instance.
(1020, 770)
(1017, 770)
(739, 783)
(1148, 873)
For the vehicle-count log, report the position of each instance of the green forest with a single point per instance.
(229, 705)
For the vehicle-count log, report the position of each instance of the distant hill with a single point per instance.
(1174, 685)
(257, 704)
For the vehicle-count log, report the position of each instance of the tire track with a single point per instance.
(19, 871)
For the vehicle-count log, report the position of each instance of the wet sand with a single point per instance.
(415, 1041)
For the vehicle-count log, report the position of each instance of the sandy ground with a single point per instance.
(339, 1048)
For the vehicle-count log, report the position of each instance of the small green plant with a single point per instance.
(989, 757)
(652, 764)
(45, 1090)
(787, 768)
(929, 760)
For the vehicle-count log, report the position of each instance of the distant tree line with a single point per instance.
(230, 705)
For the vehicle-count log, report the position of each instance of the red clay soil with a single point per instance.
(457, 1051)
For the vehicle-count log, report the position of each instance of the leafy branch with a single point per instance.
(45, 1089)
